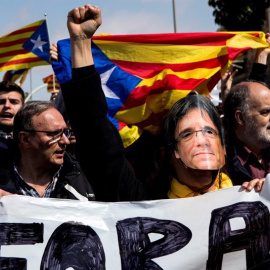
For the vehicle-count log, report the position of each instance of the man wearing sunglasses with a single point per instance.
(42, 167)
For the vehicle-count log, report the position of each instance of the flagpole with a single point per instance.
(174, 16)
(29, 97)
(45, 15)
(31, 86)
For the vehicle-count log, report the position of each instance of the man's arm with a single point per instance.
(99, 147)
(82, 23)
(5, 193)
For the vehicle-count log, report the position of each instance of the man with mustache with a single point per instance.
(247, 117)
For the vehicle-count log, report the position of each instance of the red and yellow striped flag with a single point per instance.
(52, 86)
(144, 75)
(170, 66)
(14, 75)
(25, 48)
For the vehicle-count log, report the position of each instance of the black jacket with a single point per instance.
(238, 173)
(71, 184)
(100, 150)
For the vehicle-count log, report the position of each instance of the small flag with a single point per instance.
(53, 85)
(25, 48)
(144, 75)
(14, 75)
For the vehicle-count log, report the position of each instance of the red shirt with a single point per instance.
(251, 163)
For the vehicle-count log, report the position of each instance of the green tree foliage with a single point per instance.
(240, 15)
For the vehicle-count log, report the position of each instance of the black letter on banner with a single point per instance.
(254, 238)
(73, 245)
(18, 234)
(136, 249)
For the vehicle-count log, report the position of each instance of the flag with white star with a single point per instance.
(144, 75)
(25, 48)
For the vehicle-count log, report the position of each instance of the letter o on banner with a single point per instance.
(74, 245)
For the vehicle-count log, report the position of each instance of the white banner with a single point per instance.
(226, 229)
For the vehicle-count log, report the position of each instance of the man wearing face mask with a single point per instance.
(193, 153)
(194, 145)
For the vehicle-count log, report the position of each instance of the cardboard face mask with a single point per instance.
(198, 142)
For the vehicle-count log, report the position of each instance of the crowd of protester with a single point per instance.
(199, 149)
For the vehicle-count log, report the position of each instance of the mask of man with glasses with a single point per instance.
(42, 166)
(194, 145)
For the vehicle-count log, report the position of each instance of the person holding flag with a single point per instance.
(192, 131)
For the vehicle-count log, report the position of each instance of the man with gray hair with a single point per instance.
(42, 167)
(247, 120)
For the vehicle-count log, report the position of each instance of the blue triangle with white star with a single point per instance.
(117, 84)
(38, 43)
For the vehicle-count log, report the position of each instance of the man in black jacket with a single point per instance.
(247, 117)
(11, 100)
(247, 114)
(112, 178)
(42, 167)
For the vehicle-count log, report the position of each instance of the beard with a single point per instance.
(257, 134)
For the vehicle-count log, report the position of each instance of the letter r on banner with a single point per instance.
(136, 249)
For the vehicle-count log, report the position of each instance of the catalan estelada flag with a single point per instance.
(25, 48)
(144, 75)
(14, 75)
(50, 84)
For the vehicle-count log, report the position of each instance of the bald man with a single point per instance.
(247, 120)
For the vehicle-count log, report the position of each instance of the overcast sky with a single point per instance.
(119, 17)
